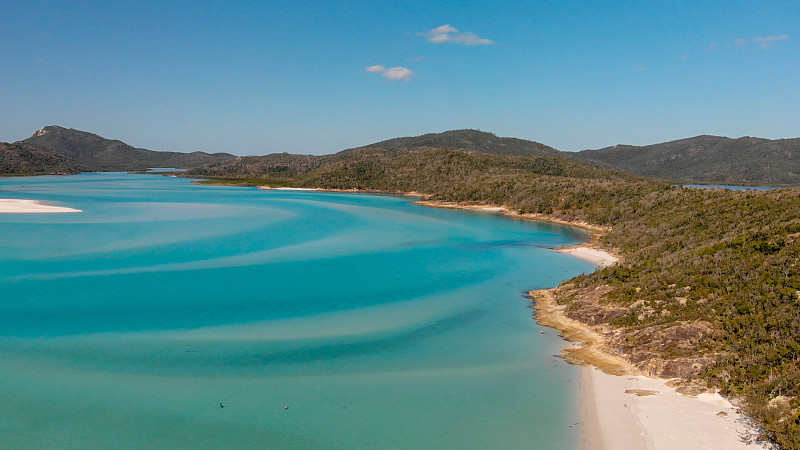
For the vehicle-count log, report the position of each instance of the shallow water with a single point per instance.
(379, 324)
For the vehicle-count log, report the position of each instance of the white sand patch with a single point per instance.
(596, 256)
(659, 417)
(294, 189)
(16, 206)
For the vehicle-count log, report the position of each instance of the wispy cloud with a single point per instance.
(392, 73)
(764, 42)
(447, 33)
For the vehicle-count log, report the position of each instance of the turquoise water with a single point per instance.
(379, 324)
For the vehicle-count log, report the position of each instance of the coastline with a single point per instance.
(637, 412)
(17, 206)
(505, 211)
(620, 408)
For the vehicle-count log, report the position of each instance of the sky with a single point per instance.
(316, 77)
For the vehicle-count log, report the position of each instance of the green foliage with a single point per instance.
(469, 140)
(709, 159)
(21, 159)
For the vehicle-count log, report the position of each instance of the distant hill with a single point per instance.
(100, 154)
(476, 140)
(709, 159)
(700, 159)
(283, 165)
(21, 158)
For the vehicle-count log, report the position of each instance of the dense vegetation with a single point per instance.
(25, 159)
(470, 140)
(94, 153)
(730, 259)
(701, 159)
(726, 261)
(709, 159)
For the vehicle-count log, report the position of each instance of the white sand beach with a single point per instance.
(600, 257)
(636, 412)
(17, 206)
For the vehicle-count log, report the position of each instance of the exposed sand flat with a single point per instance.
(594, 255)
(636, 412)
(16, 206)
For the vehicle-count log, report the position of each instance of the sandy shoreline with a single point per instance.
(507, 212)
(620, 408)
(16, 206)
(636, 412)
(596, 256)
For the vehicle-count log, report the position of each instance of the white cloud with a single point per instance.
(392, 73)
(398, 73)
(764, 42)
(447, 33)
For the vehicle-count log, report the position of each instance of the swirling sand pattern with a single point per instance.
(378, 323)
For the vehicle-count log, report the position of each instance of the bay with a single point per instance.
(319, 320)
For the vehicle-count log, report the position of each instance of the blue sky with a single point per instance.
(318, 77)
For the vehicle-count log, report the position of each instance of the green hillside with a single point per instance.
(469, 140)
(709, 159)
(24, 159)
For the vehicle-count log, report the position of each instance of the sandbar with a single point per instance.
(18, 206)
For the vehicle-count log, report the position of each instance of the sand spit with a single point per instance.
(16, 206)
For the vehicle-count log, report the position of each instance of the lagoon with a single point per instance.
(319, 320)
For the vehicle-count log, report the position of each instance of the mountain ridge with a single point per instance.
(100, 154)
(699, 159)
(708, 159)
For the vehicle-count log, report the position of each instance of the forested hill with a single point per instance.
(21, 158)
(701, 159)
(398, 169)
(469, 140)
(100, 154)
(709, 159)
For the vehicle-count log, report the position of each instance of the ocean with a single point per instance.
(172, 315)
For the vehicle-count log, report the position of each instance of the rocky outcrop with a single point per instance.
(584, 316)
